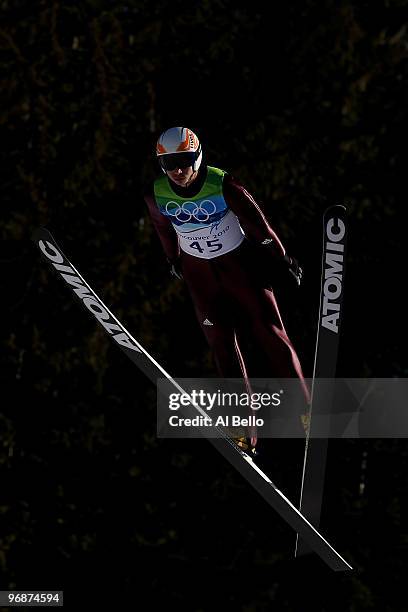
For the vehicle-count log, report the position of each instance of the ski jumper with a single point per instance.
(209, 229)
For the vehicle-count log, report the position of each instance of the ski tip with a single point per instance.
(40, 233)
(336, 207)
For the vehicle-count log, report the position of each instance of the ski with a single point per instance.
(328, 333)
(51, 252)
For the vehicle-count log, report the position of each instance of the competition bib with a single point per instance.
(217, 239)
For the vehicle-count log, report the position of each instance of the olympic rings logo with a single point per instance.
(200, 212)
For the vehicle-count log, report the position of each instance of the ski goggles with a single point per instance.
(171, 161)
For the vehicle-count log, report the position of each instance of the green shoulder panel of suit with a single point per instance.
(212, 187)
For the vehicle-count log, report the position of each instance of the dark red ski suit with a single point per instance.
(226, 290)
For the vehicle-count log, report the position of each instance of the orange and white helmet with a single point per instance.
(179, 147)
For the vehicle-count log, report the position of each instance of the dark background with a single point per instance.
(305, 103)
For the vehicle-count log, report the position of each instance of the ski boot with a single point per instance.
(305, 420)
(245, 445)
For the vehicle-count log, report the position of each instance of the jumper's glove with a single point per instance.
(294, 269)
(175, 269)
(282, 270)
